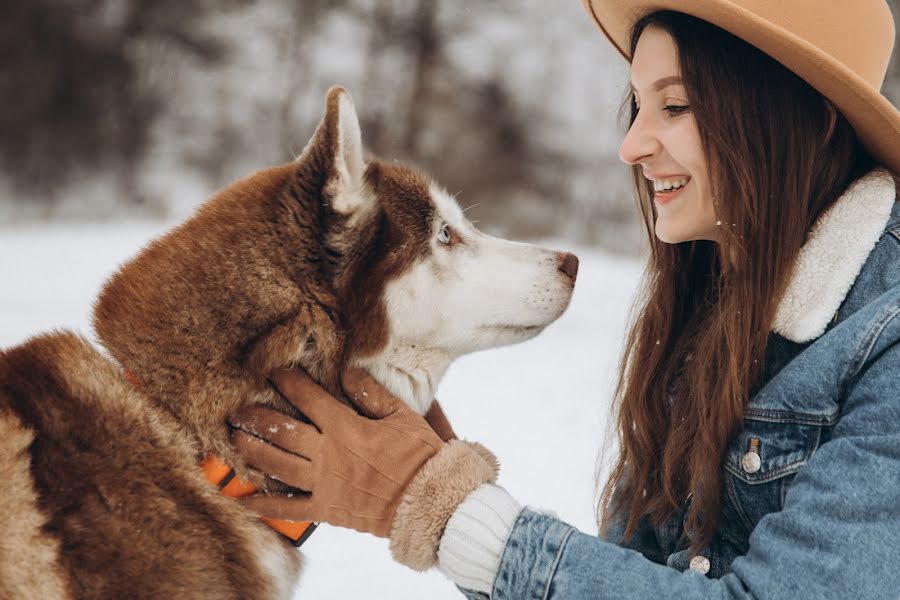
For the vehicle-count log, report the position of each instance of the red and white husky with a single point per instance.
(331, 260)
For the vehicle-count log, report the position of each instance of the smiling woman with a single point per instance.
(764, 155)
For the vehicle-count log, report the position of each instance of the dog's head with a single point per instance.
(333, 258)
(420, 285)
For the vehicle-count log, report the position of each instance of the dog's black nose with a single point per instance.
(568, 264)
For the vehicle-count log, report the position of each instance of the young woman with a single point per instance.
(758, 402)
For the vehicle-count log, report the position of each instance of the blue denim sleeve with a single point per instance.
(838, 535)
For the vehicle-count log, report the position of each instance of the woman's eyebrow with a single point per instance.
(662, 83)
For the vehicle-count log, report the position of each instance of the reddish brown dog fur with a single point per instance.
(104, 495)
(267, 274)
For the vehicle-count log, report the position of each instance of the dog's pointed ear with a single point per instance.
(336, 147)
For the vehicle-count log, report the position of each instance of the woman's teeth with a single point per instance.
(663, 185)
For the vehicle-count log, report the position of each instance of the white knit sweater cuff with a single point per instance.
(472, 545)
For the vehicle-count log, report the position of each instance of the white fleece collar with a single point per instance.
(833, 256)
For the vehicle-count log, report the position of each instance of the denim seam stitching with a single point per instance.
(770, 415)
(856, 366)
(556, 559)
(505, 548)
(770, 475)
(729, 488)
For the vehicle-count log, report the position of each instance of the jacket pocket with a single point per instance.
(761, 463)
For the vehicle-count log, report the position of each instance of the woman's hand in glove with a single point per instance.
(391, 475)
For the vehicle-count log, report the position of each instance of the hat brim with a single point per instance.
(873, 117)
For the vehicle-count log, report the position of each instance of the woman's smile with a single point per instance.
(668, 196)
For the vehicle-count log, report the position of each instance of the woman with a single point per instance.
(758, 404)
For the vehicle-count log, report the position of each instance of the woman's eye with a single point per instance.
(444, 235)
(675, 110)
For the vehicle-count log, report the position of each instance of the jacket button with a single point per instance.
(700, 564)
(751, 462)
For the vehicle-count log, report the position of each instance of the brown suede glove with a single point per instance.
(391, 475)
(438, 421)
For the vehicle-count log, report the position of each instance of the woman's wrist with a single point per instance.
(474, 539)
(431, 498)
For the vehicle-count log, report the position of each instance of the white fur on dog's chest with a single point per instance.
(276, 562)
(410, 374)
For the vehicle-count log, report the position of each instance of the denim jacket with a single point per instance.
(811, 505)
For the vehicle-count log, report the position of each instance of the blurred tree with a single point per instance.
(303, 21)
(69, 72)
(464, 127)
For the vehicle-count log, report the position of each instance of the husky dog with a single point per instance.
(332, 260)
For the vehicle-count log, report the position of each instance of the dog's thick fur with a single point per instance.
(102, 494)
(264, 276)
(322, 263)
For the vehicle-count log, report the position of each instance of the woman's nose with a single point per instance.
(639, 143)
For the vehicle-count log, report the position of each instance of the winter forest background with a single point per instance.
(134, 109)
(128, 109)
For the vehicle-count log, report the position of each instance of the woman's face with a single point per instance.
(665, 142)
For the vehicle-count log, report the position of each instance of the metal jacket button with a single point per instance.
(751, 462)
(700, 564)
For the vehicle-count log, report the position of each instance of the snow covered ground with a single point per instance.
(540, 406)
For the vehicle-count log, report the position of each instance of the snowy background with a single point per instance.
(541, 406)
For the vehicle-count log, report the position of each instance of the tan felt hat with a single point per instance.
(840, 47)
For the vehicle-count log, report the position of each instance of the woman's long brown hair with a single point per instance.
(779, 154)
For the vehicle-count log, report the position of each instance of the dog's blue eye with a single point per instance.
(444, 235)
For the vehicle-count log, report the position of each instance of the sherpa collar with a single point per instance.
(833, 256)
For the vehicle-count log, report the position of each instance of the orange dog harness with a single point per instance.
(223, 476)
(220, 474)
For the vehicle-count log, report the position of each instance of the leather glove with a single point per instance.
(438, 421)
(390, 475)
